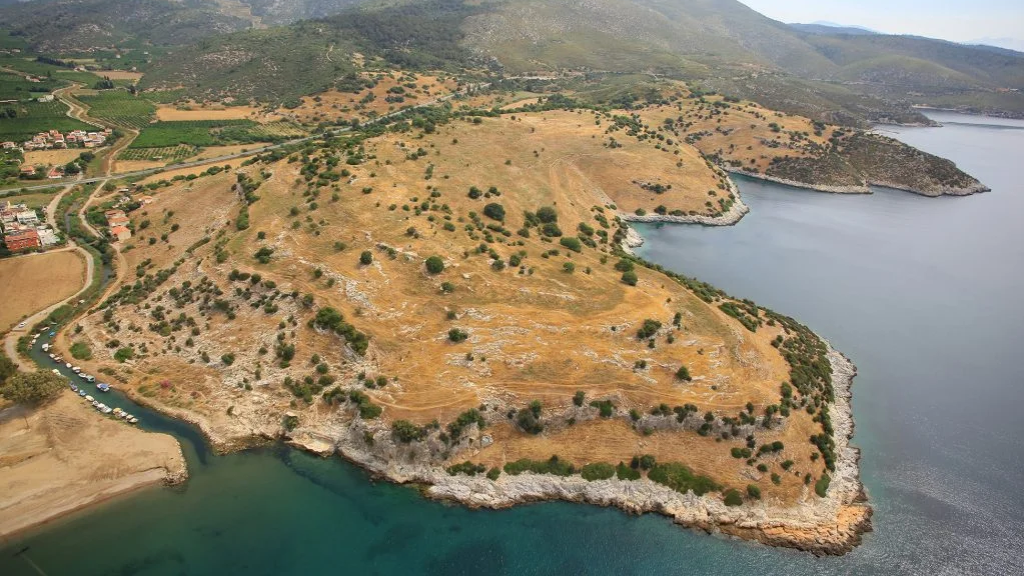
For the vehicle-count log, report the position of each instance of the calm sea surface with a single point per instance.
(923, 294)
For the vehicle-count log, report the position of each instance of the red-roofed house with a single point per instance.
(120, 232)
(22, 240)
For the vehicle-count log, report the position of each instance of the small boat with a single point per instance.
(103, 387)
(67, 365)
(76, 369)
(55, 371)
(46, 347)
(74, 388)
(118, 411)
(81, 393)
(107, 409)
(53, 356)
(89, 398)
(133, 420)
(95, 404)
(89, 378)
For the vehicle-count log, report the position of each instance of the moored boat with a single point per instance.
(103, 387)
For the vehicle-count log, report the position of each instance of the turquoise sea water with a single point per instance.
(920, 293)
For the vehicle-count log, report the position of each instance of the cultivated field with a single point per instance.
(30, 283)
(34, 117)
(47, 157)
(118, 107)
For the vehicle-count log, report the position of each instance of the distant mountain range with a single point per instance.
(837, 73)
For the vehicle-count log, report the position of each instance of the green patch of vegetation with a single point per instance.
(680, 478)
(623, 472)
(406, 432)
(19, 121)
(467, 468)
(597, 471)
(552, 465)
(120, 108)
(81, 351)
(821, 486)
(328, 318)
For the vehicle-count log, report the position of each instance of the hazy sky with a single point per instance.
(957, 20)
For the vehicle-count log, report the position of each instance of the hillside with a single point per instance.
(820, 72)
(88, 25)
(448, 298)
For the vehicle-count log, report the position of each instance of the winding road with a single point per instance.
(11, 339)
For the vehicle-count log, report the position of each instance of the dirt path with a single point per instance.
(80, 112)
(11, 339)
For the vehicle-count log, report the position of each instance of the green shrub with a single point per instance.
(124, 354)
(366, 258)
(493, 473)
(578, 397)
(624, 472)
(605, 407)
(821, 486)
(649, 328)
(551, 466)
(467, 468)
(573, 244)
(81, 351)
(680, 478)
(753, 491)
(435, 265)
(495, 211)
(456, 335)
(733, 497)
(683, 374)
(597, 471)
(629, 277)
(406, 432)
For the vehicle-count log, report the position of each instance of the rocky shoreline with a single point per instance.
(865, 188)
(822, 526)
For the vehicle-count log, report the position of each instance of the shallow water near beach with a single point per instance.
(919, 292)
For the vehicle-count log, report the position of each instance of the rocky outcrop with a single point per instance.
(829, 525)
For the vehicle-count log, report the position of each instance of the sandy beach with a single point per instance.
(65, 456)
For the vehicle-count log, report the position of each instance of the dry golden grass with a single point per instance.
(535, 333)
(46, 157)
(120, 75)
(30, 283)
(133, 165)
(171, 173)
(215, 151)
(741, 132)
(199, 207)
(333, 105)
(170, 113)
